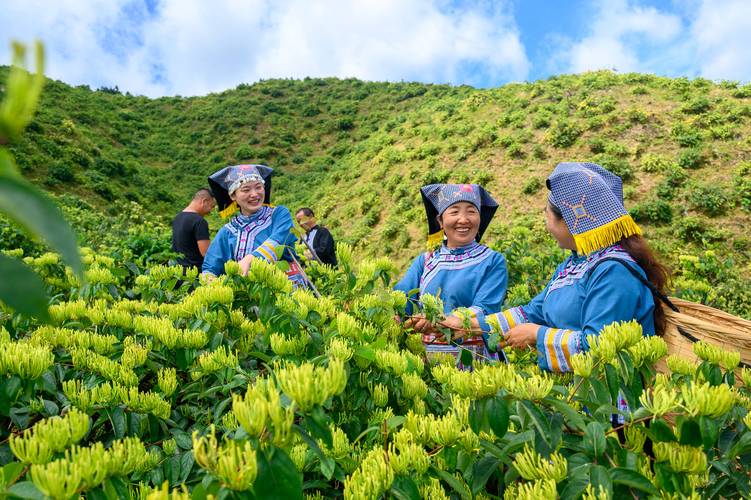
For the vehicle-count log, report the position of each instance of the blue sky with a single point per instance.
(193, 47)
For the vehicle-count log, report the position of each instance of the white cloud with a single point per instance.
(722, 35)
(193, 47)
(618, 33)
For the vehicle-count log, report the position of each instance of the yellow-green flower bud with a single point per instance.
(533, 466)
(680, 365)
(413, 386)
(299, 456)
(432, 490)
(380, 395)
(283, 345)
(339, 349)
(544, 488)
(682, 458)
(635, 438)
(445, 430)
(533, 388)
(169, 446)
(391, 361)
(251, 412)
(659, 401)
(167, 381)
(703, 399)
(236, 465)
(581, 364)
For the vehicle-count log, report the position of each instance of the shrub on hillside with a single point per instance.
(742, 184)
(686, 136)
(709, 199)
(654, 163)
(696, 106)
(563, 134)
(533, 185)
(618, 166)
(655, 211)
(62, 172)
(691, 158)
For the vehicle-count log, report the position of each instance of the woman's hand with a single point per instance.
(245, 264)
(419, 323)
(456, 325)
(521, 336)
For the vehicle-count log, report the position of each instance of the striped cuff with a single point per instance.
(555, 347)
(506, 320)
(267, 250)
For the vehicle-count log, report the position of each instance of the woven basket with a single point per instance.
(705, 323)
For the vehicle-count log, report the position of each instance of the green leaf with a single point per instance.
(482, 470)
(11, 472)
(611, 376)
(327, 463)
(743, 445)
(594, 439)
(404, 488)
(182, 439)
(452, 481)
(365, 352)
(317, 424)
(186, 465)
(599, 476)
(26, 489)
(38, 216)
(659, 430)
(574, 488)
(538, 419)
(22, 289)
(600, 392)
(120, 487)
(689, 432)
(117, 415)
(477, 415)
(632, 479)
(277, 476)
(466, 357)
(573, 417)
(497, 415)
(7, 165)
(710, 431)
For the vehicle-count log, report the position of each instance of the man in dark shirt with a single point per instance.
(318, 237)
(190, 231)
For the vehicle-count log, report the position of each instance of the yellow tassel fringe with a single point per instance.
(604, 236)
(230, 210)
(435, 240)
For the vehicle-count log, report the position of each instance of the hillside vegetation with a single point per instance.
(357, 152)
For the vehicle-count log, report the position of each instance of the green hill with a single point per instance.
(357, 152)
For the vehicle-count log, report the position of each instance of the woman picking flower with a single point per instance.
(461, 271)
(258, 231)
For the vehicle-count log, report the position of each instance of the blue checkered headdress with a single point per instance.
(438, 197)
(591, 201)
(227, 180)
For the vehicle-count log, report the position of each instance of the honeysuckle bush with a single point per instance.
(163, 385)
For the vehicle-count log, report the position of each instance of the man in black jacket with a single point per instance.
(318, 237)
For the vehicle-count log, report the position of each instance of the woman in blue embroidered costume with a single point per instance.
(464, 273)
(599, 283)
(258, 230)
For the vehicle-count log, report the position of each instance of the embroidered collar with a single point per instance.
(576, 265)
(240, 220)
(444, 250)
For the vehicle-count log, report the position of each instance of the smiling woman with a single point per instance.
(258, 231)
(464, 273)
